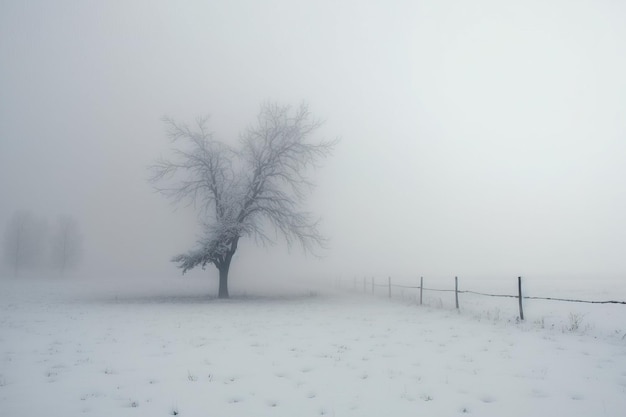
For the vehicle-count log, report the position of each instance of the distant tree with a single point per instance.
(24, 241)
(66, 244)
(243, 191)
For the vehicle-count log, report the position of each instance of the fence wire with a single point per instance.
(570, 300)
(575, 301)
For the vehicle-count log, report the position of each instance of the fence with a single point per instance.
(520, 296)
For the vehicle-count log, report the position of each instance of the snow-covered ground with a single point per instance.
(67, 350)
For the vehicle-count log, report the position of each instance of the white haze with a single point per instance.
(481, 138)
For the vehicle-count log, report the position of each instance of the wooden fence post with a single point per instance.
(389, 287)
(519, 289)
(421, 288)
(456, 291)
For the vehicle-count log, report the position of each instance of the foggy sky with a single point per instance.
(477, 138)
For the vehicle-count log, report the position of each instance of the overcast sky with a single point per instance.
(482, 138)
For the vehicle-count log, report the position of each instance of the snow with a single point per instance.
(66, 350)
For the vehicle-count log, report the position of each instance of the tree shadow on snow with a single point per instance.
(188, 299)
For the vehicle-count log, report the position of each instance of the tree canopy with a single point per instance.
(249, 191)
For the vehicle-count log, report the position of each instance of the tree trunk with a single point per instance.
(223, 289)
(224, 267)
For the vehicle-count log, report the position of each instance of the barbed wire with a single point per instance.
(489, 295)
(575, 301)
(571, 300)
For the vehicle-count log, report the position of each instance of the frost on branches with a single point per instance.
(242, 191)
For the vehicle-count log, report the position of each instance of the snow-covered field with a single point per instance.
(67, 350)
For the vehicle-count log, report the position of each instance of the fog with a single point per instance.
(480, 138)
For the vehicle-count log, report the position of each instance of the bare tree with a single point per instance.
(240, 192)
(66, 248)
(24, 241)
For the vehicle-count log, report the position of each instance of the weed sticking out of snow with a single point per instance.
(575, 322)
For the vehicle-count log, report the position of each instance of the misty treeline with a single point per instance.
(256, 189)
(31, 243)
